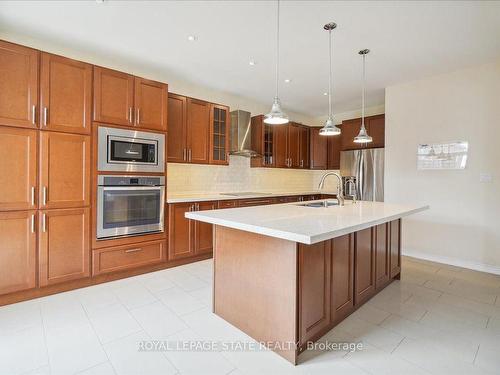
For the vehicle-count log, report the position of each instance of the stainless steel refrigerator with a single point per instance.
(366, 169)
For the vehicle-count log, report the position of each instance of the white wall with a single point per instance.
(462, 226)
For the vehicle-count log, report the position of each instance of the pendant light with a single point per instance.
(329, 128)
(363, 136)
(277, 116)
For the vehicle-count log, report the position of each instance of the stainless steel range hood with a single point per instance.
(241, 134)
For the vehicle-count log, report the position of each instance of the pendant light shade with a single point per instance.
(363, 136)
(277, 116)
(329, 127)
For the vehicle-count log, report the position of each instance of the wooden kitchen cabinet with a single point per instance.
(376, 129)
(150, 104)
(198, 131)
(64, 170)
(293, 151)
(122, 99)
(177, 128)
(17, 251)
(262, 142)
(314, 289)
(395, 247)
(65, 94)
(342, 298)
(382, 255)
(364, 266)
(64, 250)
(18, 85)
(334, 147)
(203, 232)
(186, 237)
(304, 147)
(280, 144)
(219, 134)
(318, 149)
(18, 163)
(113, 97)
(375, 126)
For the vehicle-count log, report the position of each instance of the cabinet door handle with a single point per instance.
(130, 115)
(302, 163)
(44, 195)
(133, 250)
(32, 223)
(45, 115)
(44, 228)
(138, 116)
(189, 155)
(33, 114)
(184, 154)
(32, 195)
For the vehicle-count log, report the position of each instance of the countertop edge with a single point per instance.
(219, 197)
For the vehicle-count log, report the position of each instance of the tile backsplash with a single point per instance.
(238, 176)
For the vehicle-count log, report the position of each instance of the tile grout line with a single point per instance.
(422, 317)
(397, 346)
(44, 336)
(475, 355)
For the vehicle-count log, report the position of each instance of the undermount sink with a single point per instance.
(324, 204)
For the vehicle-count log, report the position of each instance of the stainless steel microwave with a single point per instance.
(123, 150)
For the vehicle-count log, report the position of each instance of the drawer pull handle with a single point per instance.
(45, 115)
(32, 223)
(32, 195)
(33, 114)
(133, 250)
(44, 195)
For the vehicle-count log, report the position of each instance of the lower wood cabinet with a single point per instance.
(382, 272)
(18, 165)
(64, 251)
(255, 202)
(17, 251)
(227, 204)
(395, 247)
(314, 289)
(342, 297)
(364, 285)
(187, 238)
(120, 258)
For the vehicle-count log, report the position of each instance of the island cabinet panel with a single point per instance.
(364, 266)
(342, 278)
(65, 94)
(318, 150)
(395, 247)
(17, 251)
(198, 131)
(18, 163)
(180, 231)
(18, 85)
(203, 232)
(64, 170)
(382, 272)
(314, 289)
(113, 97)
(64, 250)
(150, 104)
(177, 128)
(280, 144)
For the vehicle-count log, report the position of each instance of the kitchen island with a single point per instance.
(286, 274)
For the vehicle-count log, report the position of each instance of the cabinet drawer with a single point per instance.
(124, 257)
(255, 202)
(227, 204)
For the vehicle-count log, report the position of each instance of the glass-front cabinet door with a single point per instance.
(219, 133)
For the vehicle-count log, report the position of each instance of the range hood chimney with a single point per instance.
(241, 134)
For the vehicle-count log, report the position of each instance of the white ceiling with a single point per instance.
(409, 40)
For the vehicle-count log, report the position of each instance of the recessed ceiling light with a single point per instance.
(325, 93)
(192, 38)
(288, 80)
(252, 63)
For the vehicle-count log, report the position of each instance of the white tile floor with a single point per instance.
(437, 320)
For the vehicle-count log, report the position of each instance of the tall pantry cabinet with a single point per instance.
(45, 109)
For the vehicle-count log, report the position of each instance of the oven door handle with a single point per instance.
(155, 187)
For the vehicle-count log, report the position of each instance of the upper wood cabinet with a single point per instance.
(219, 134)
(280, 144)
(65, 94)
(18, 85)
(294, 145)
(17, 251)
(314, 289)
(18, 163)
(198, 131)
(375, 126)
(113, 97)
(64, 251)
(64, 170)
(177, 128)
(151, 104)
(262, 142)
(334, 145)
(123, 99)
(318, 150)
(304, 147)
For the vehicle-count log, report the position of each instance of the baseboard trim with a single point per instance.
(452, 261)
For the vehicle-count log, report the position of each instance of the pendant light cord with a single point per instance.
(330, 110)
(277, 48)
(363, 95)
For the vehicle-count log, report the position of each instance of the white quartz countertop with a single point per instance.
(199, 197)
(307, 225)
